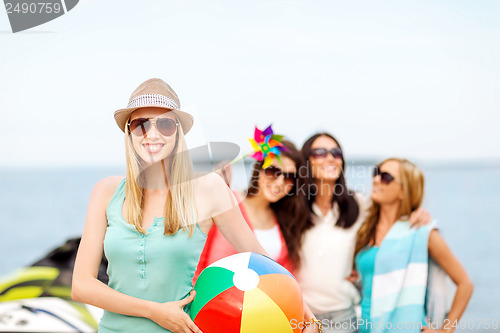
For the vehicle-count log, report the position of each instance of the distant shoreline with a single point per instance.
(426, 164)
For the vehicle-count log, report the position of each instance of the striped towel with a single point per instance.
(400, 279)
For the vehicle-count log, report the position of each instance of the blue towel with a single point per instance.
(400, 279)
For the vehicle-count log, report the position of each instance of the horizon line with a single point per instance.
(363, 160)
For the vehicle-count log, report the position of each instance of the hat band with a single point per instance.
(152, 99)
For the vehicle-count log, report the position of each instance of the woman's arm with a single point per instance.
(220, 205)
(441, 253)
(88, 289)
(233, 227)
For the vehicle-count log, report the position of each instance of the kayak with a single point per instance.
(48, 314)
(37, 298)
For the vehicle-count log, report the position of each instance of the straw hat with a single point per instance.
(154, 93)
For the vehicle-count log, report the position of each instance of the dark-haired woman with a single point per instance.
(328, 238)
(274, 210)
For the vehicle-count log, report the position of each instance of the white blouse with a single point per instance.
(327, 259)
(270, 239)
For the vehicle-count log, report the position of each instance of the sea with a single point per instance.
(41, 208)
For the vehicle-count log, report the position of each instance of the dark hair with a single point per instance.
(348, 206)
(291, 211)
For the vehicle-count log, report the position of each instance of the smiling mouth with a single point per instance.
(275, 191)
(330, 168)
(153, 148)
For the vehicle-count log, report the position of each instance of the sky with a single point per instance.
(416, 79)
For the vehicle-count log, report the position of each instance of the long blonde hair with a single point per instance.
(179, 206)
(412, 183)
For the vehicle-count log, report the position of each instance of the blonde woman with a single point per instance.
(152, 225)
(392, 258)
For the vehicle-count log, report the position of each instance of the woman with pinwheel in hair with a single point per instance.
(273, 206)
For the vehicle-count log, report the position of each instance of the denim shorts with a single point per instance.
(342, 321)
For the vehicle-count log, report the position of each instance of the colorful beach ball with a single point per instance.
(247, 293)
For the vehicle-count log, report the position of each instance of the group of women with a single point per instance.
(160, 226)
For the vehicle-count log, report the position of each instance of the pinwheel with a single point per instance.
(266, 145)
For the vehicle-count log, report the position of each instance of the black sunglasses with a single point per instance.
(140, 126)
(385, 177)
(323, 152)
(274, 172)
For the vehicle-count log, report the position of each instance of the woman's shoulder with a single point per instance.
(103, 192)
(110, 182)
(107, 186)
(420, 231)
(212, 195)
(427, 229)
(209, 182)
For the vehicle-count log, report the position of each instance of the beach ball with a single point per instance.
(247, 293)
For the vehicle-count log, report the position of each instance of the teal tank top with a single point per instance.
(365, 262)
(153, 267)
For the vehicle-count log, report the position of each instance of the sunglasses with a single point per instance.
(385, 177)
(274, 173)
(323, 152)
(140, 126)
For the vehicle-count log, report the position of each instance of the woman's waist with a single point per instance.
(331, 298)
(157, 289)
(114, 322)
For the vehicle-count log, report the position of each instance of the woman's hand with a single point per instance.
(170, 315)
(419, 218)
(310, 327)
(224, 170)
(353, 277)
